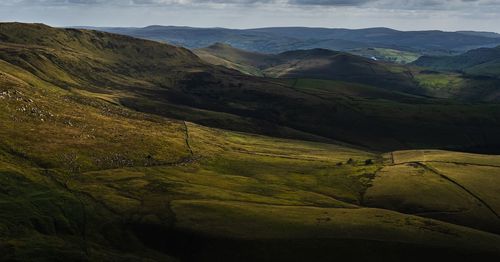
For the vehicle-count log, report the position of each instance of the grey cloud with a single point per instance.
(125, 2)
(380, 4)
(166, 2)
(331, 2)
(403, 4)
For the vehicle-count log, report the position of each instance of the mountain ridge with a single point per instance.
(268, 40)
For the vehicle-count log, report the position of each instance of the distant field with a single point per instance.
(386, 54)
(453, 186)
(445, 156)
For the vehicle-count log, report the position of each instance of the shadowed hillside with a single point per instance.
(479, 62)
(314, 63)
(339, 66)
(325, 64)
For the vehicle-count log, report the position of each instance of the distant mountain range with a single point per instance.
(280, 39)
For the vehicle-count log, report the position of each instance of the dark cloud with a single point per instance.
(384, 4)
(330, 2)
(126, 2)
(402, 4)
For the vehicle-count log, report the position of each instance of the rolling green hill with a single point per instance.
(325, 64)
(114, 149)
(478, 62)
(314, 63)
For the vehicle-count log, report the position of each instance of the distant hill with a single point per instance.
(485, 34)
(340, 66)
(313, 63)
(477, 62)
(280, 39)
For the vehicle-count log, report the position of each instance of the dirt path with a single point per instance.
(186, 132)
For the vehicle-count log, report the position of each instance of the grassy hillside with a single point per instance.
(324, 64)
(98, 164)
(314, 63)
(468, 200)
(95, 181)
(246, 62)
(119, 185)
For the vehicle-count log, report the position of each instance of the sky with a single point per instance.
(448, 15)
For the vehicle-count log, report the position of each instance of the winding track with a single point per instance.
(186, 131)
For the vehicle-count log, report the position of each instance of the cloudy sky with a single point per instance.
(448, 15)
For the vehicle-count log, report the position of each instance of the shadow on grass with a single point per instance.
(188, 246)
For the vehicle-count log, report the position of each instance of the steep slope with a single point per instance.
(223, 54)
(478, 62)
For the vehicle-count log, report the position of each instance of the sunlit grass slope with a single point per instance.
(451, 186)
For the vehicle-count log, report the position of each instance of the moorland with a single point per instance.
(117, 148)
